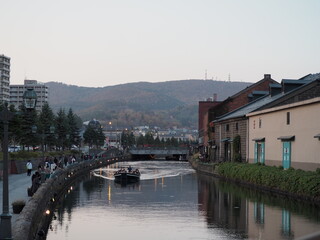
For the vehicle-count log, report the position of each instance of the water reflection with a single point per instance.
(222, 209)
(173, 202)
(253, 214)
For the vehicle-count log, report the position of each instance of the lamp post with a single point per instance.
(5, 224)
(29, 102)
(30, 99)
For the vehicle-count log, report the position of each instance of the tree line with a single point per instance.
(30, 129)
(129, 140)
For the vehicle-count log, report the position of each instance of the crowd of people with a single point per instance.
(128, 170)
(46, 169)
(50, 165)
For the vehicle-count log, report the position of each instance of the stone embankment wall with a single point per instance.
(303, 193)
(203, 168)
(31, 221)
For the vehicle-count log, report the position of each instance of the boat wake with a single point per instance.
(149, 169)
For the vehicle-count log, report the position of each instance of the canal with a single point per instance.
(172, 201)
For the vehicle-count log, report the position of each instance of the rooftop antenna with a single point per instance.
(229, 77)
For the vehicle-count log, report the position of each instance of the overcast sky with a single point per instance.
(100, 43)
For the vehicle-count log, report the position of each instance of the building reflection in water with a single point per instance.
(222, 209)
(253, 214)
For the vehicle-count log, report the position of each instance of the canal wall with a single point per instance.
(35, 217)
(212, 169)
(205, 168)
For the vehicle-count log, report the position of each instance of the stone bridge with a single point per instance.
(155, 153)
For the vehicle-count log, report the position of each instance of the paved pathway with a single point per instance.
(18, 184)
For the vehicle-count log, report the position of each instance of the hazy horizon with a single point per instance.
(116, 84)
(106, 43)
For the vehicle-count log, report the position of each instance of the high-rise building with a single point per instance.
(4, 78)
(17, 91)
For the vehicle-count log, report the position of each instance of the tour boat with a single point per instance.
(126, 176)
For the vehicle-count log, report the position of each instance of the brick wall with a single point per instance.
(236, 127)
(203, 116)
(238, 100)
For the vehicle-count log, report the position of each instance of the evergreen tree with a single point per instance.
(157, 141)
(124, 139)
(174, 142)
(163, 143)
(45, 126)
(74, 129)
(94, 136)
(100, 137)
(140, 140)
(15, 132)
(132, 139)
(148, 139)
(62, 129)
(89, 136)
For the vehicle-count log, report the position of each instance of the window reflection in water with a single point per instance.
(253, 214)
(259, 212)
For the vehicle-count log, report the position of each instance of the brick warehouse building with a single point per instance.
(286, 116)
(239, 99)
(231, 129)
(203, 118)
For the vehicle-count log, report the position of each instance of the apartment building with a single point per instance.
(17, 91)
(4, 78)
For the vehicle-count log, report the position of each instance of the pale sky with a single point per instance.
(100, 43)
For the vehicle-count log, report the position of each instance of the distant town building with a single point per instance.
(4, 78)
(17, 91)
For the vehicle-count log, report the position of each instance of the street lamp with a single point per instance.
(30, 99)
(5, 224)
(29, 102)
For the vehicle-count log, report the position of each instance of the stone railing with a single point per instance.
(35, 217)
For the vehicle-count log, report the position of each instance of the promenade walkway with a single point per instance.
(18, 184)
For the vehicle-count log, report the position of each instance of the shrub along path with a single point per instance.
(298, 183)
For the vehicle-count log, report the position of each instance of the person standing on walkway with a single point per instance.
(29, 168)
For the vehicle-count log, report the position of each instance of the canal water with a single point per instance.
(172, 201)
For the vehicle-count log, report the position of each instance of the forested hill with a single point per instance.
(171, 103)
